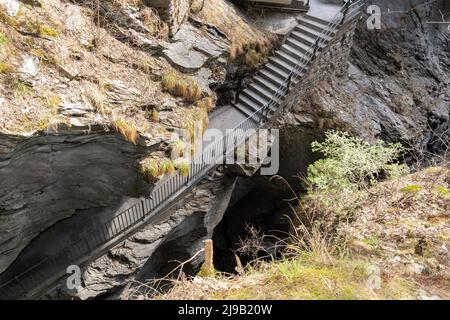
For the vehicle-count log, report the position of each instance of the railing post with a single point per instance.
(345, 11)
(143, 209)
(316, 47)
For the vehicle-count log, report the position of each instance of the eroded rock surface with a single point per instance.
(177, 235)
(191, 48)
(45, 179)
(391, 84)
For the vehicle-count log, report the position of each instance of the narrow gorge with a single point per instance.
(95, 97)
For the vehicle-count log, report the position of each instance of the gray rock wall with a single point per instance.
(176, 236)
(47, 178)
(391, 84)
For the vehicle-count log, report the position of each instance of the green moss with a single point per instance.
(3, 39)
(208, 274)
(22, 89)
(372, 241)
(45, 30)
(411, 189)
(444, 192)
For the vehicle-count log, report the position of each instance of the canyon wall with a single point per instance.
(390, 84)
(45, 179)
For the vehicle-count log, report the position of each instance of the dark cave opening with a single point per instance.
(262, 205)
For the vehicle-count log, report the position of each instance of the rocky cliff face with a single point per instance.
(391, 84)
(153, 251)
(49, 178)
(72, 75)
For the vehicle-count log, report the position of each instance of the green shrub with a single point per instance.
(351, 163)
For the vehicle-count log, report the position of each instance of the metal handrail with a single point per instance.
(301, 64)
(112, 231)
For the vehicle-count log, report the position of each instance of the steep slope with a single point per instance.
(391, 83)
(88, 106)
(397, 248)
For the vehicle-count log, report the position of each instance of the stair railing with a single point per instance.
(347, 12)
(32, 282)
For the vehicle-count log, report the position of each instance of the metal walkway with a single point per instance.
(258, 103)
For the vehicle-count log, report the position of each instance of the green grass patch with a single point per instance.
(3, 39)
(413, 188)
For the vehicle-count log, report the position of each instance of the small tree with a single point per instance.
(352, 163)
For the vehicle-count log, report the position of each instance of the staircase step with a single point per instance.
(260, 99)
(304, 37)
(311, 32)
(286, 57)
(275, 69)
(294, 52)
(267, 84)
(283, 65)
(311, 23)
(316, 19)
(266, 93)
(271, 76)
(251, 105)
(299, 46)
(244, 109)
(299, 61)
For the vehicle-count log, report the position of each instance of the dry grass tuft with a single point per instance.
(206, 103)
(181, 88)
(183, 166)
(97, 100)
(7, 68)
(156, 26)
(178, 148)
(194, 92)
(155, 115)
(154, 169)
(126, 128)
(176, 85)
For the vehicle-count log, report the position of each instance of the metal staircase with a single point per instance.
(259, 101)
(294, 51)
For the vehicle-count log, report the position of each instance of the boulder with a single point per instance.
(192, 48)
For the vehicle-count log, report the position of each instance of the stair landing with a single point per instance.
(323, 9)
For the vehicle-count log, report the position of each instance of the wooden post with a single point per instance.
(209, 257)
